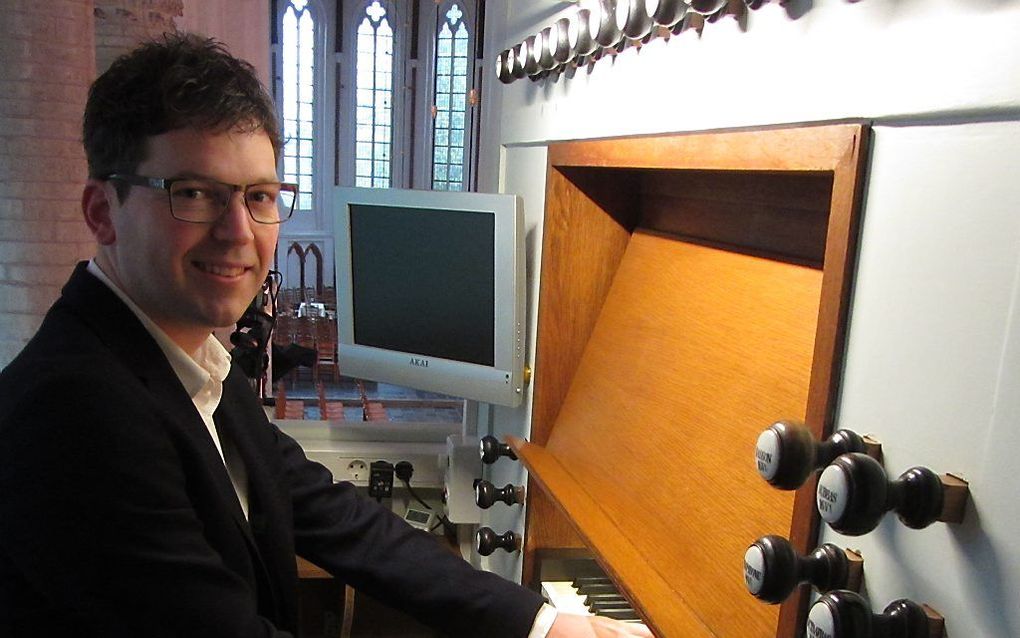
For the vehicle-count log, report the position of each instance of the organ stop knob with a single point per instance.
(787, 452)
(854, 493)
(488, 541)
(487, 494)
(490, 449)
(773, 569)
(846, 614)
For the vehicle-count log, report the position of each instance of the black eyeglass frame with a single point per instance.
(164, 183)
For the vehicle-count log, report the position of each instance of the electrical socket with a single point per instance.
(357, 470)
(353, 465)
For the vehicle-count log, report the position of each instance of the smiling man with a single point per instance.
(198, 275)
(143, 492)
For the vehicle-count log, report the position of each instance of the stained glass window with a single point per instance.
(451, 81)
(374, 99)
(298, 62)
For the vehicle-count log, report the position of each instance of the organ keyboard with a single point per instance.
(589, 595)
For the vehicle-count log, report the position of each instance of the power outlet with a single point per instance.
(357, 470)
(353, 465)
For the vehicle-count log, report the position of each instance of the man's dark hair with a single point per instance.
(178, 81)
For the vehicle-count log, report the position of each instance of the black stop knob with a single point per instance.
(773, 569)
(847, 614)
(787, 453)
(488, 541)
(854, 494)
(487, 494)
(490, 449)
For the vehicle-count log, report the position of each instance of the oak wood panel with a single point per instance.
(548, 528)
(848, 170)
(308, 569)
(696, 350)
(807, 148)
(581, 247)
(779, 215)
(620, 556)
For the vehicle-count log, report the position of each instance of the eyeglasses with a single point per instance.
(203, 201)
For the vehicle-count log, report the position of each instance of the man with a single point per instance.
(143, 493)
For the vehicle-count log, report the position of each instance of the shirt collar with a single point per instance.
(211, 360)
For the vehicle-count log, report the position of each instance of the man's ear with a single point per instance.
(95, 206)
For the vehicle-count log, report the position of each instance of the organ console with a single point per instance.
(673, 318)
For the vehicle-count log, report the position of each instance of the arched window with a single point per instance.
(373, 97)
(373, 93)
(452, 77)
(297, 98)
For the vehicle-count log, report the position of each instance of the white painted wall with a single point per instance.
(933, 364)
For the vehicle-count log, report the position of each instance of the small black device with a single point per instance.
(380, 479)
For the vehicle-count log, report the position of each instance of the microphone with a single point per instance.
(243, 339)
(254, 330)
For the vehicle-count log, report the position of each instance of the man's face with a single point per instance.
(191, 278)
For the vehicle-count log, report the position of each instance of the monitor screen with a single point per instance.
(424, 284)
(430, 290)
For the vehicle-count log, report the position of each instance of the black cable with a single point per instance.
(415, 495)
(273, 276)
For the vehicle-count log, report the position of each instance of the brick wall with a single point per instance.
(121, 24)
(48, 53)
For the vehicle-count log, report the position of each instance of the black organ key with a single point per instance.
(597, 588)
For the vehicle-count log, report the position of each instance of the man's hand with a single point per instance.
(575, 626)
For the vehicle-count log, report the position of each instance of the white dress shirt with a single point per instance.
(201, 373)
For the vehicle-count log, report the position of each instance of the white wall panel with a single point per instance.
(933, 365)
(932, 362)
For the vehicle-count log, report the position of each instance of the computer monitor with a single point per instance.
(430, 290)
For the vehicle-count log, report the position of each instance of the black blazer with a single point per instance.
(117, 516)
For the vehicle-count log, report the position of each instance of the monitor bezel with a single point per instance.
(500, 384)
